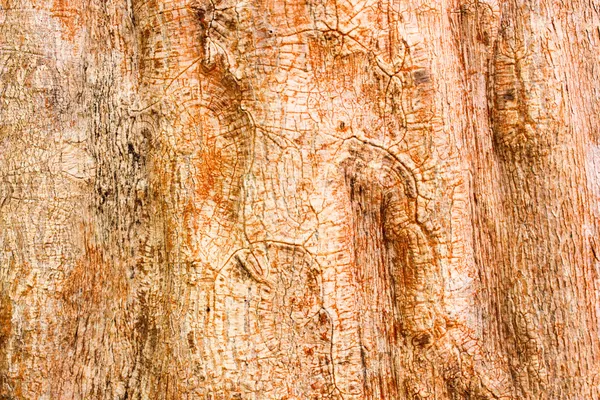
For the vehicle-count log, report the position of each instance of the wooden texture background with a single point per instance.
(299, 199)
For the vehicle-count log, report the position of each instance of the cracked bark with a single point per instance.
(299, 199)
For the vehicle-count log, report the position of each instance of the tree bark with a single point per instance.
(316, 199)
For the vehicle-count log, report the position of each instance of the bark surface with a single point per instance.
(321, 199)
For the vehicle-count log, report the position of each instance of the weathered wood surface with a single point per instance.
(290, 199)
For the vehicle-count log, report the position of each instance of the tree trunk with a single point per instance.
(298, 199)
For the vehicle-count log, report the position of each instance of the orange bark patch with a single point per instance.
(93, 282)
(67, 12)
(208, 186)
(5, 319)
(209, 178)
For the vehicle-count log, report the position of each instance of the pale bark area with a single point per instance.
(299, 200)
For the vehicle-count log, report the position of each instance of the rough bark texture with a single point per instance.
(299, 199)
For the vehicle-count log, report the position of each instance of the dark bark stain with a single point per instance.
(421, 76)
(5, 333)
